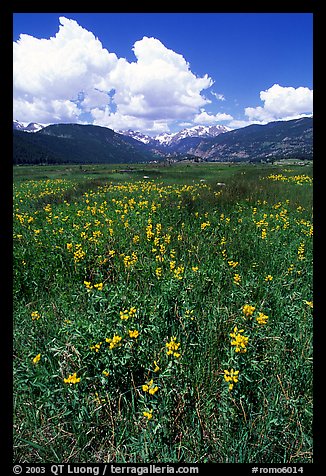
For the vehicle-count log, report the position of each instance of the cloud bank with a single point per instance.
(71, 77)
(282, 103)
(70, 74)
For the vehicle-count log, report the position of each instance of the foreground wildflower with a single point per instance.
(239, 341)
(36, 359)
(150, 387)
(114, 342)
(233, 264)
(301, 251)
(231, 376)
(98, 286)
(133, 334)
(268, 278)
(309, 303)
(178, 272)
(156, 367)
(262, 318)
(248, 310)
(172, 347)
(205, 225)
(72, 379)
(128, 313)
(35, 315)
(96, 347)
(237, 279)
(148, 414)
(88, 285)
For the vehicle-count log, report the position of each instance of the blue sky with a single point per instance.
(160, 72)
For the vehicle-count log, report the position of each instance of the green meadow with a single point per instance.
(163, 313)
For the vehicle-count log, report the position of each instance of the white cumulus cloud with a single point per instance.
(282, 103)
(62, 78)
(208, 119)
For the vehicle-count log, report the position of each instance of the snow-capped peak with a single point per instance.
(195, 131)
(166, 139)
(136, 135)
(27, 126)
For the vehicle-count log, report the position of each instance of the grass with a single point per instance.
(126, 291)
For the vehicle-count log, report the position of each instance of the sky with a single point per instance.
(162, 72)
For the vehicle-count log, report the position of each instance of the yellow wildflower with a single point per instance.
(36, 359)
(88, 285)
(172, 347)
(114, 342)
(150, 387)
(96, 347)
(72, 379)
(262, 318)
(239, 341)
(133, 334)
(231, 376)
(248, 310)
(205, 225)
(237, 279)
(35, 315)
(156, 368)
(148, 415)
(232, 263)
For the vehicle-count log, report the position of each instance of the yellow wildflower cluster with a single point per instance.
(130, 261)
(150, 387)
(248, 310)
(79, 254)
(158, 273)
(178, 272)
(35, 315)
(204, 225)
(298, 179)
(89, 286)
(232, 377)
(148, 414)
(128, 313)
(239, 341)
(114, 342)
(233, 264)
(309, 303)
(262, 318)
(237, 279)
(133, 334)
(156, 367)
(301, 252)
(172, 347)
(72, 379)
(96, 347)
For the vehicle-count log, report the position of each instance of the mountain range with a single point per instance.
(166, 140)
(76, 143)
